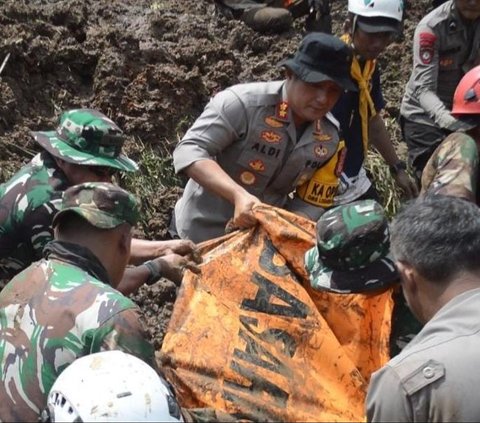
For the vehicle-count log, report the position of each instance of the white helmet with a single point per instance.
(110, 386)
(392, 9)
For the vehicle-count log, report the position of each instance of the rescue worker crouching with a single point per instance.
(446, 45)
(85, 147)
(68, 301)
(453, 167)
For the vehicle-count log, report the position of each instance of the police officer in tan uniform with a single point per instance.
(256, 142)
(436, 244)
(370, 27)
(446, 45)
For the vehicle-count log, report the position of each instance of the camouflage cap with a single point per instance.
(102, 204)
(87, 137)
(351, 254)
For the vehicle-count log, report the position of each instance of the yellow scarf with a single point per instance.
(366, 106)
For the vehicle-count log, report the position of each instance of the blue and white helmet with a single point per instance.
(392, 9)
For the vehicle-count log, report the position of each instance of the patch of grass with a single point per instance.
(384, 183)
(155, 174)
(157, 5)
(390, 194)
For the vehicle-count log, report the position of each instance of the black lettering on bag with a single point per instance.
(256, 354)
(273, 336)
(257, 384)
(262, 304)
(258, 413)
(266, 260)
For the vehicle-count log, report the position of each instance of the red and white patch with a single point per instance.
(427, 44)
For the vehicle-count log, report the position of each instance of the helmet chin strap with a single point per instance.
(352, 32)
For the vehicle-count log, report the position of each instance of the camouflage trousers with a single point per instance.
(453, 168)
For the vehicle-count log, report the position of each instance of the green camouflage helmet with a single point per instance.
(352, 249)
(87, 137)
(102, 204)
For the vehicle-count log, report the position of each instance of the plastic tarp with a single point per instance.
(249, 337)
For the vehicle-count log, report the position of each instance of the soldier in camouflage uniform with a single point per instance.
(453, 167)
(86, 147)
(452, 170)
(352, 249)
(71, 307)
(352, 255)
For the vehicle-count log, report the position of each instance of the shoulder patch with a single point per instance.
(427, 373)
(427, 43)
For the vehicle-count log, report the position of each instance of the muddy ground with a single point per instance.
(151, 66)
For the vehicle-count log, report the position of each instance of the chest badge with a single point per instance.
(320, 151)
(272, 122)
(271, 137)
(446, 62)
(322, 137)
(257, 165)
(247, 178)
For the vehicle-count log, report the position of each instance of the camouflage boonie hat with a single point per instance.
(102, 204)
(351, 255)
(87, 137)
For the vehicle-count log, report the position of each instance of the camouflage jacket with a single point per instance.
(28, 202)
(65, 313)
(453, 168)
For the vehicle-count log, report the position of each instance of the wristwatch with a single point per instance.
(155, 270)
(400, 165)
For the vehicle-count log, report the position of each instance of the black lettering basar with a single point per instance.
(254, 353)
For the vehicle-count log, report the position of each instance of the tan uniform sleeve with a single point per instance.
(222, 122)
(387, 401)
(425, 76)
